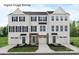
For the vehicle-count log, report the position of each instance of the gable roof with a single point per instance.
(60, 11)
(57, 11)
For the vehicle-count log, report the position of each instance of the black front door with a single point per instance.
(23, 40)
(54, 39)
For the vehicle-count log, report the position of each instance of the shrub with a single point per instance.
(71, 43)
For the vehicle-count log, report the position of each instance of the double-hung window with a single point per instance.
(57, 18)
(14, 18)
(21, 19)
(33, 28)
(33, 18)
(66, 18)
(61, 28)
(42, 18)
(42, 28)
(52, 18)
(11, 28)
(18, 28)
(24, 28)
(57, 28)
(66, 28)
(52, 28)
(61, 18)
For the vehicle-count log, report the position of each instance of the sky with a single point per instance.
(73, 9)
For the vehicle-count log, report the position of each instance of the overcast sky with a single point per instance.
(73, 9)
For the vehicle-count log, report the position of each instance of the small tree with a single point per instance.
(5, 31)
(73, 30)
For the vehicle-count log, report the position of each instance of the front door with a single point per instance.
(54, 39)
(23, 40)
(42, 40)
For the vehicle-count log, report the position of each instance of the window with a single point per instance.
(18, 28)
(65, 18)
(61, 28)
(24, 28)
(52, 18)
(33, 28)
(42, 28)
(61, 18)
(14, 19)
(57, 28)
(57, 18)
(42, 18)
(33, 18)
(66, 28)
(14, 37)
(11, 28)
(21, 19)
(52, 28)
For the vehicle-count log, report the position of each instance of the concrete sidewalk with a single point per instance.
(72, 47)
(6, 48)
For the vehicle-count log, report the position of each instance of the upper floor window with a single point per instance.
(42, 28)
(42, 18)
(33, 18)
(11, 28)
(14, 19)
(57, 18)
(52, 18)
(57, 28)
(18, 28)
(33, 28)
(66, 18)
(61, 18)
(21, 19)
(24, 28)
(66, 28)
(52, 28)
(61, 28)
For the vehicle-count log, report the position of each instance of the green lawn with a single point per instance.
(3, 41)
(59, 48)
(24, 49)
(75, 40)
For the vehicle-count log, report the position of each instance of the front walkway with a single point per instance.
(43, 48)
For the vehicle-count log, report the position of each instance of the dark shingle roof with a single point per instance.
(50, 12)
(38, 13)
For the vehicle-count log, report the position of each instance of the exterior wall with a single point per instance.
(36, 23)
(60, 33)
(17, 34)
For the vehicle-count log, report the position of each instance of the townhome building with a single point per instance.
(44, 27)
